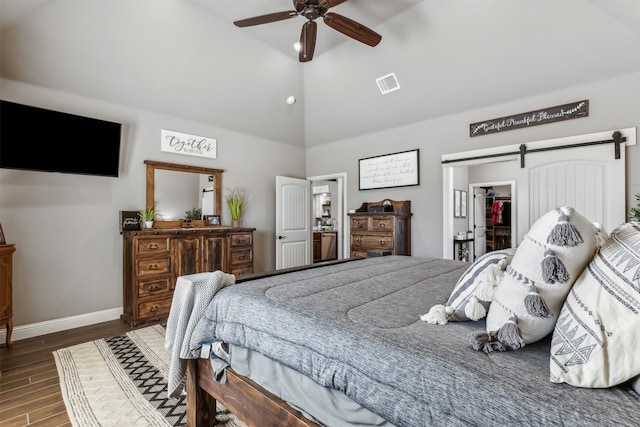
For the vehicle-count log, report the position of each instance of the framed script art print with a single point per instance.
(390, 170)
(463, 204)
(456, 203)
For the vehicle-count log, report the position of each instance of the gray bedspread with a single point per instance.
(355, 327)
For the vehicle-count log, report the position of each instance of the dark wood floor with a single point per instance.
(29, 384)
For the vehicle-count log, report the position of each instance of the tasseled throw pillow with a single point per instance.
(596, 341)
(530, 295)
(474, 290)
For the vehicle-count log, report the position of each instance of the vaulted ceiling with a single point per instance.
(185, 58)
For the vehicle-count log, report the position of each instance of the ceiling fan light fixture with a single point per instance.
(312, 10)
(297, 46)
(388, 83)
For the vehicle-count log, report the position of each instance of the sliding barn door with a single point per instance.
(587, 178)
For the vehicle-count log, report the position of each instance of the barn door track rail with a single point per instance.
(617, 140)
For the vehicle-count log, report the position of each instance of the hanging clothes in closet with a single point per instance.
(496, 212)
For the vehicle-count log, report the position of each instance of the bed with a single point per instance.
(353, 330)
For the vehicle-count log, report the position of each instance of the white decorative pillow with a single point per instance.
(474, 290)
(596, 340)
(529, 297)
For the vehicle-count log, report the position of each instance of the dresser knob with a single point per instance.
(154, 309)
(153, 267)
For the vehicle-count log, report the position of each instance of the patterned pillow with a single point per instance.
(474, 290)
(530, 295)
(596, 340)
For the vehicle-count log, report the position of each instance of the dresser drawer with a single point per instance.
(239, 256)
(359, 224)
(241, 239)
(152, 266)
(358, 254)
(152, 245)
(374, 242)
(158, 308)
(155, 286)
(241, 270)
(382, 224)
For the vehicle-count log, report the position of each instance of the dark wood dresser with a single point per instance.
(153, 259)
(382, 232)
(6, 289)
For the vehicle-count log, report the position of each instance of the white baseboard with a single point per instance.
(62, 324)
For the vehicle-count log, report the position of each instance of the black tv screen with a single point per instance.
(37, 139)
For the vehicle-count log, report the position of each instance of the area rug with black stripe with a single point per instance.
(122, 381)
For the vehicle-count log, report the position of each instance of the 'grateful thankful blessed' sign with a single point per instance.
(532, 118)
(192, 145)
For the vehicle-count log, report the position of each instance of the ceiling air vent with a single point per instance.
(388, 83)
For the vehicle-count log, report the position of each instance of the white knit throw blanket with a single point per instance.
(190, 300)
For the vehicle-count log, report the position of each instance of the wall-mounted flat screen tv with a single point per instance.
(37, 139)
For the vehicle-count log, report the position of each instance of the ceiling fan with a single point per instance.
(311, 10)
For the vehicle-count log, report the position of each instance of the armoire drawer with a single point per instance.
(381, 224)
(373, 242)
(359, 224)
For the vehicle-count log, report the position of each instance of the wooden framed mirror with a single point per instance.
(216, 174)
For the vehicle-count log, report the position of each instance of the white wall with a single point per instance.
(68, 258)
(614, 103)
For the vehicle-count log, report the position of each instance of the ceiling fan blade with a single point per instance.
(265, 19)
(308, 41)
(352, 29)
(328, 4)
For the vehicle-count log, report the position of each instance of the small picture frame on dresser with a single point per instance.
(3, 241)
(213, 220)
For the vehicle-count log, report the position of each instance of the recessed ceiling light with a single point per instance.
(291, 100)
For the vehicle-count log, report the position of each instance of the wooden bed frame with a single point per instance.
(251, 403)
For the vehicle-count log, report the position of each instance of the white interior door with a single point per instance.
(588, 179)
(294, 226)
(479, 222)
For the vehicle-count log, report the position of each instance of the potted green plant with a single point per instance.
(147, 216)
(237, 201)
(194, 214)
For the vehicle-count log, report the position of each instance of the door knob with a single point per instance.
(280, 237)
